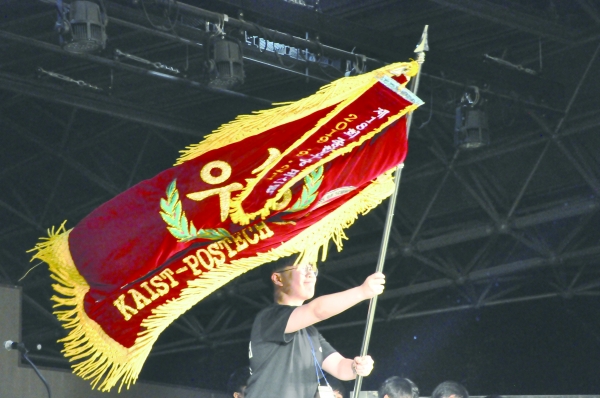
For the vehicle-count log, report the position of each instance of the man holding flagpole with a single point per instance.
(287, 353)
(134, 265)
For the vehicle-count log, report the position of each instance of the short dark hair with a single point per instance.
(238, 379)
(274, 266)
(281, 263)
(448, 388)
(397, 387)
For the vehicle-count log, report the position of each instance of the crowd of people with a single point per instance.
(393, 387)
(289, 358)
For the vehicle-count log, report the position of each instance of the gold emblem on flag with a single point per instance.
(177, 223)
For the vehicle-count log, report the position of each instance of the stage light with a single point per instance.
(82, 26)
(225, 64)
(471, 128)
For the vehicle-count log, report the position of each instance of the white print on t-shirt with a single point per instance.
(250, 350)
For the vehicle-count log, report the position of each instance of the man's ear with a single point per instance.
(276, 279)
(237, 395)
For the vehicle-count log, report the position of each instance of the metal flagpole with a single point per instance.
(420, 50)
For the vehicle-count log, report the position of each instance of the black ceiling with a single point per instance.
(515, 222)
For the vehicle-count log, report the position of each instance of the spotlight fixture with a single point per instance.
(82, 25)
(471, 128)
(225, 62)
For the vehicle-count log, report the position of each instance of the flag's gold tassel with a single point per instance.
(105, 362)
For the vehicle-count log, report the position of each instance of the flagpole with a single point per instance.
(420, 51)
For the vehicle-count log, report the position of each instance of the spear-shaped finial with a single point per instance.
(423, 44)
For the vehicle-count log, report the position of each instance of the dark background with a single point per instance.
(492, 268)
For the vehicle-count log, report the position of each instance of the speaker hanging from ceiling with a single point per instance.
(82, 25)
(225, 62)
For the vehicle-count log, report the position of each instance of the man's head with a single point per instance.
(450, 389)
(238, 380)
(397, 387)
(292, 284)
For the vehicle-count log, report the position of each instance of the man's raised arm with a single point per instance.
(329, 305)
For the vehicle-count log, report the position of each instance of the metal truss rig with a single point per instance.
(570, 268)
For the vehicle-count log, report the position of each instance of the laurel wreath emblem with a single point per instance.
(178, 225)
(312, 182)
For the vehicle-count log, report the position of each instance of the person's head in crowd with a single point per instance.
(450, 389)
(397, 387)
(238, 380)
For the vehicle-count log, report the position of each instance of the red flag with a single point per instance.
(283, 181)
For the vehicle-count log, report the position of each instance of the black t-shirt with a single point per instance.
(282, 363)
